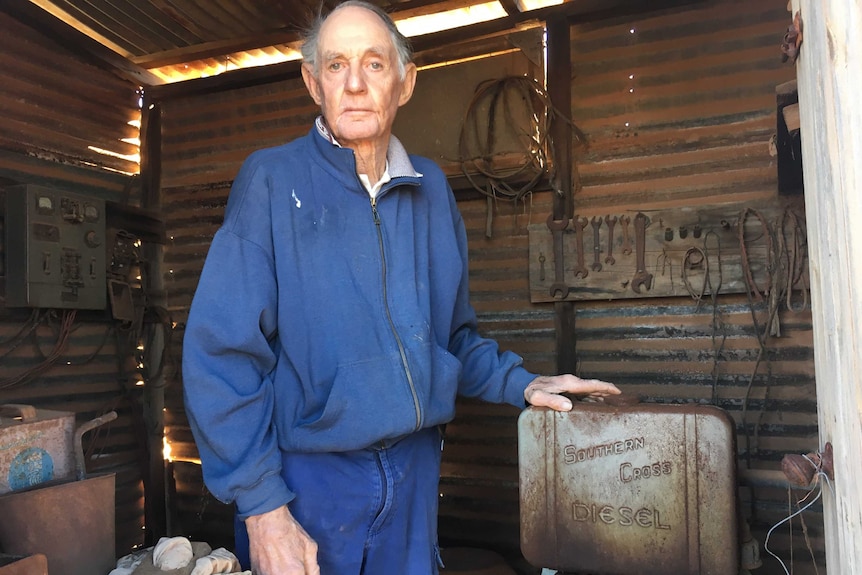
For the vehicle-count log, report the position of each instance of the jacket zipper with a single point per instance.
(398, 341)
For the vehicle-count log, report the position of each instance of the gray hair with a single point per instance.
(312, 35)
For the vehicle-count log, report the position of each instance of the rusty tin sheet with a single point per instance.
(36, 446)
(71, 523)
(638, 489)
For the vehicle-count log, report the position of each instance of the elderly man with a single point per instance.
(331, 330)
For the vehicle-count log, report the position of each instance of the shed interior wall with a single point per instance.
(55, 107)
(700, 118)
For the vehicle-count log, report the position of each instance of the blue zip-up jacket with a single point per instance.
(325, 321)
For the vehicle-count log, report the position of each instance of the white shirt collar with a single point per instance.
(375, 188)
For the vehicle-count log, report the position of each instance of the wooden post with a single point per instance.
(829, 73)
(154, 392)
(559, 75)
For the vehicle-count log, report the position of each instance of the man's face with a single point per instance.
(358, 85)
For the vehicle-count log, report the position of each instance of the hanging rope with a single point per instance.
(785, 266)
(793, 257)
(527, 111)
(755, 292)
(718, 324)
(695, 258)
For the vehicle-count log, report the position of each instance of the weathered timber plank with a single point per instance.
(688, 252)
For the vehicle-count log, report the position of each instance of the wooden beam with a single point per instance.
(791, 117)
(560, 93)
(276, 36)
(286, 70)
(829, 74)
(78, 43)
(288, 35)
(242, 78)
(412, 8)
(458, 35)
(144, 224)
(151, 153)
(153, 400)
(510, 6)
(215, 49)
(276, 72)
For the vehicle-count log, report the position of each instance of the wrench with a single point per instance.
(611, 223)
(558, 290)
(642, 277)
(581, 271)
(627, 244)
(597, 246)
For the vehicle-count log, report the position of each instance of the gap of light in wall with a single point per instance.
(135, 158)
(527, 5)
(410, 27)
(467, 59)
(430, 23)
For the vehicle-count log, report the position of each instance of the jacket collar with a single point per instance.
(397, 157)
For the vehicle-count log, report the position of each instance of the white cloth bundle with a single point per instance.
(219, 561)
(172, 553)
(179, 556)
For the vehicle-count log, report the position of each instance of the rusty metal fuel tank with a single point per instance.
(635, 489)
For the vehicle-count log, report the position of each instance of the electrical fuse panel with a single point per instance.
(55, 249)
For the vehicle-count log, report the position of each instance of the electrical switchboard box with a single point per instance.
(55, 249)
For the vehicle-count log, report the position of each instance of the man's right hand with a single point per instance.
(278, 545)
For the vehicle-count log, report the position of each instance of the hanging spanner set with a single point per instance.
(656, 253)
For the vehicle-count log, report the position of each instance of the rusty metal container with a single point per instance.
(32, 565)
(71, 523)
(629, 489)
(36, 446)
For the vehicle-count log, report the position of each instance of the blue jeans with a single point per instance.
(372, 511)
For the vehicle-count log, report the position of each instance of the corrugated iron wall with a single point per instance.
(205, 139)
(57, 106)
(679, 109)
(53, 106)
(696, 86)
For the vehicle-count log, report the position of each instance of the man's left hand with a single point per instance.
(545, 390)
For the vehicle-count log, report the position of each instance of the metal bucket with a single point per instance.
(71, 523)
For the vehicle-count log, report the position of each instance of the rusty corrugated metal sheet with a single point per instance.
(700, 121)
(56, 106)
(679, 107)
(199, 38)
(668, 352)
(53, 106)
(197, 513)
(206, 138)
